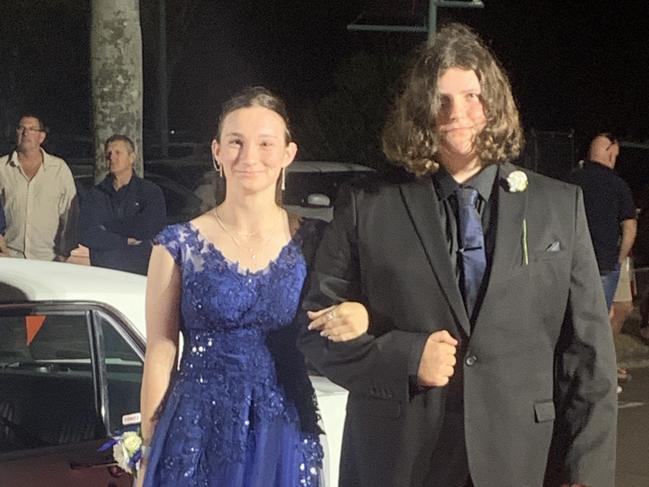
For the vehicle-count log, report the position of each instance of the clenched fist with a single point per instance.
(438, 360)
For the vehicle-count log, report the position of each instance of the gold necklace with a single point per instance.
(251, 250)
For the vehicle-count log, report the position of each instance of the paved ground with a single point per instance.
(633, 431)
(633, 417)
(632, 351)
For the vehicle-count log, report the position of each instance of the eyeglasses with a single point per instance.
(22, 128)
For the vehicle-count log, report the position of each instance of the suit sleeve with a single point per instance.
(375, 366)
(587, 402)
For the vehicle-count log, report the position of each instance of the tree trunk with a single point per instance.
(116, 65)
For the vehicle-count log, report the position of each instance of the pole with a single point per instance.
(432, 20)
(163, 82)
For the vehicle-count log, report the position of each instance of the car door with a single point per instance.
(59, 365)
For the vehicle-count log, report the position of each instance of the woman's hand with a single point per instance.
(340, 323)
(139, 480)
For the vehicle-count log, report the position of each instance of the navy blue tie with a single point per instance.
(471, 246)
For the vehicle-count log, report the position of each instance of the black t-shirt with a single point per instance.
(608, 201)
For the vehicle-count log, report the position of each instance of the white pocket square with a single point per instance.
(554, 247)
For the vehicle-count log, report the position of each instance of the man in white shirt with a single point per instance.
(39, 198)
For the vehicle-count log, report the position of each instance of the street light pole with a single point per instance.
(163, 83)
(432, 20)
(430, 28)
(432, 12)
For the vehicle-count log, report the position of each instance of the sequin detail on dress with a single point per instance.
(240, 410)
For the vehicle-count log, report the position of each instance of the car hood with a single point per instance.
(53, 281)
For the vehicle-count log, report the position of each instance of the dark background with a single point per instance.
(581, 66)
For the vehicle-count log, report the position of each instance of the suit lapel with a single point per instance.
(508, 248)
(422, 205)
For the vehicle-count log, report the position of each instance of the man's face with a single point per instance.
(29, 134)
(120, 160)
(461, 115)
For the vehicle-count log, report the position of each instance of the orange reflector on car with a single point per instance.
(33, 324)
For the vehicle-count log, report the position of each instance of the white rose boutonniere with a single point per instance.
(517, 181)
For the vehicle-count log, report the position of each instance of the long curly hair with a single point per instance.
(411, 137)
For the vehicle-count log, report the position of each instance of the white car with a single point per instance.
(72, 344)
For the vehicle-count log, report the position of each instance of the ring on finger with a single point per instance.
(331, 315)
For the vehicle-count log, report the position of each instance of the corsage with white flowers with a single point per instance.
(128, 450)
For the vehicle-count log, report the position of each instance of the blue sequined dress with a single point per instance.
(240, 410)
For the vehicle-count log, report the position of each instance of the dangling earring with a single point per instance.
(217, 167)
(283, 181)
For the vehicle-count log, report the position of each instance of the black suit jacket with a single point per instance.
(538, 368)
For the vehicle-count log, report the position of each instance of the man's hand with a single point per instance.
(133, 241)
(437, 361)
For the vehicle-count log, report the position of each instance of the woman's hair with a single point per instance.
(254, 96)
(411, 136)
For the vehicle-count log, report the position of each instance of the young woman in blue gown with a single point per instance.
(239, 410)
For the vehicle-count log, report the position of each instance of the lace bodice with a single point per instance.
(218, 295)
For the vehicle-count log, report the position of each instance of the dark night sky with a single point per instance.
(574, 66)
(582, 65)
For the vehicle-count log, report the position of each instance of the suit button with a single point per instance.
(470, 360)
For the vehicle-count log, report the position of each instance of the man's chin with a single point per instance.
(464, 149)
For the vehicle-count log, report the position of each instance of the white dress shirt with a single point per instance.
(41, 213)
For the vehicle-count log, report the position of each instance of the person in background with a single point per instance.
(38, 196)
(611, 215)
(641, 262)
(610, 210)
(621, 309)
(121, 214)
(489, 359)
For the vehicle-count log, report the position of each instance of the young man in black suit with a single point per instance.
(488, 360)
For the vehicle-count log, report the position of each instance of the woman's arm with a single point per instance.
(162, 327)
